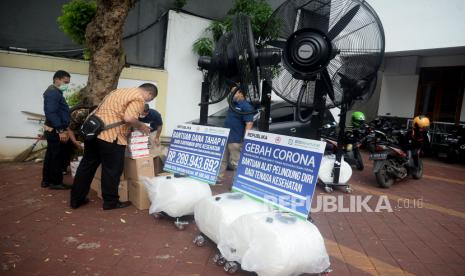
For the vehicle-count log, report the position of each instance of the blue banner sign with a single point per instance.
(196, 151)
(279, 170)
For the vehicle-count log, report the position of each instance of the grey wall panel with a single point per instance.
(32, 25)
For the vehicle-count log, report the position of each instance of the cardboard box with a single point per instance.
(135, 168)
(73, 165)
(157, 165)
(137, 146)
(165, 174)
(98, 174)
(138, 195)
(138, 153)
(96, 186)
(138, 139)
(122, 189)
(158, 150)
(137, 133)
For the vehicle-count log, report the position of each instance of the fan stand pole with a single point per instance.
(264, 121)
(340, 144)
(319, 100)
(204, 96)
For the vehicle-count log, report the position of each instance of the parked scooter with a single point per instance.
(396, 161)
(351, 152)
(353, 137)
(452, 145)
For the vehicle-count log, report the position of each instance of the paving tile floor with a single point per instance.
(423, 235)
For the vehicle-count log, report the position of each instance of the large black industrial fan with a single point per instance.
(235, 61)
(327, 45)
(331, 53)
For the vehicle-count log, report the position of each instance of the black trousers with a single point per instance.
(67, 154)
(52, 168)
(111, 156)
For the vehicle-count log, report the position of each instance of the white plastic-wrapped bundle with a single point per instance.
(274, 243)
(214, 214)
(175, 196)
(326, 170)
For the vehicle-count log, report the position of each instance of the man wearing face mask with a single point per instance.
(120, 108)
(238, 124)
(55, 130)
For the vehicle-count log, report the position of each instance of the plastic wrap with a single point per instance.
(274, 243)
(326, 170)
(175, 196)
(214, 214)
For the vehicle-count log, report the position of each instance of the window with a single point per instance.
(440, 93)
(282, 112)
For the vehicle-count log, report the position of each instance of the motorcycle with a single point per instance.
(451, 146)
(351, 152)
(353, 139)
(327, 173)
(394, 161)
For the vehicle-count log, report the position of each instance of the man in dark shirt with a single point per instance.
(55, 130)
(238, 124)
(152, 117)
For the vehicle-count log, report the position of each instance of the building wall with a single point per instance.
(421, 24)
(184, 79)
(400, 82)
(23, 79)
(442, 61)
(398, 95)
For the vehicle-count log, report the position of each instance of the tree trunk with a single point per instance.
(104, 41)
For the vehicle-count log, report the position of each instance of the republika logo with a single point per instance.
(257, 135)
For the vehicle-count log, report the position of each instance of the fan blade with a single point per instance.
(329, 84)
(343, 22)
(277, 43)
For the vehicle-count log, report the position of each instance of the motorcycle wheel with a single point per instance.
(417, 173)
(358, 160)
(383, 178)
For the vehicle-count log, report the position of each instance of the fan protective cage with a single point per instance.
(357, 40)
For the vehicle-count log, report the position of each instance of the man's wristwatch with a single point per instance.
(61, 130)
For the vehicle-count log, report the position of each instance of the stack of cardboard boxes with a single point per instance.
(134, 169)
(139, 162)
(122, 189)
(138, 145)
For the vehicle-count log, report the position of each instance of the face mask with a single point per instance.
(63, 87)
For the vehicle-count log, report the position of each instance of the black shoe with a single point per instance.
(60, 186)
(44, 184)
(118, 205)
(76, 205)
